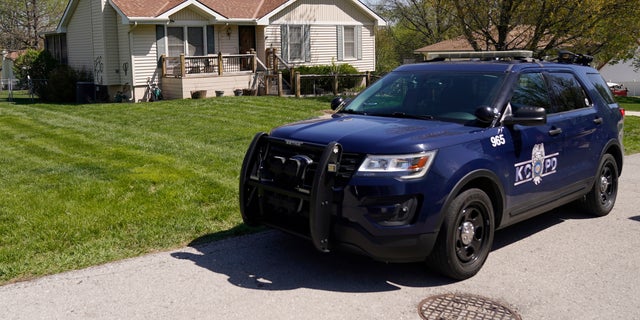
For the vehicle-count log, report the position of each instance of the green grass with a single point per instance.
(87, 184)
(629, 103)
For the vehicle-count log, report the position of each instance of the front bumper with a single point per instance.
(303, 189)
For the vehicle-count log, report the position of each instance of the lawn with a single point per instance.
(87, 184)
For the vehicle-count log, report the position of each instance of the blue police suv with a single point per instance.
(429, 161)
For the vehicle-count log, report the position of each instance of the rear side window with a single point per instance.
(602, 88)
(568, 92)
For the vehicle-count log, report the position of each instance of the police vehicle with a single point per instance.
(429, 161)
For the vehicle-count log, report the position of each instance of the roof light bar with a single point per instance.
(519, 54)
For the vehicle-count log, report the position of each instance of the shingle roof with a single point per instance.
(232, 9)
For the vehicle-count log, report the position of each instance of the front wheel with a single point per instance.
(600, 200)
(466, 236)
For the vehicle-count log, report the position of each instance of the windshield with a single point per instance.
(442, 95)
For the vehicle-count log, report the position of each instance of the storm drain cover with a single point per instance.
(464, 306)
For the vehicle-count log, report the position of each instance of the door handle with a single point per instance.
(597, 120)
(555, 131)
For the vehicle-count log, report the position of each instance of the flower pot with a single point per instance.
(237, 92)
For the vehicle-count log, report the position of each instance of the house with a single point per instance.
(211, 45)
(8, 80)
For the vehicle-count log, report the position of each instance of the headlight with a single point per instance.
(406, 166)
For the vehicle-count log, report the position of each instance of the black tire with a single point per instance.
(602, 196)
(466, 236)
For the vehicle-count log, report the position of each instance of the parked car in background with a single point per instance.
(618, 90)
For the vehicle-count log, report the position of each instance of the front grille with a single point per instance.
(279, 166)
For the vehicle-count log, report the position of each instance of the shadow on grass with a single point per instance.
(262, 259)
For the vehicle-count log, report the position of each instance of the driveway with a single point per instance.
(561, 265)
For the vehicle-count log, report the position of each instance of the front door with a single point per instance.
(247, 38)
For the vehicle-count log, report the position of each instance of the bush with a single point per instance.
(61, 84)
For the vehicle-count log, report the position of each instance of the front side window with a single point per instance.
(531, 90)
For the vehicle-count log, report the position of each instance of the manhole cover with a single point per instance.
(464, 306)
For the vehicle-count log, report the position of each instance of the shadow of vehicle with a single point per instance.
(272, 260)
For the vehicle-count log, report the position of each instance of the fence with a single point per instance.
(310, 84)
(207, 65)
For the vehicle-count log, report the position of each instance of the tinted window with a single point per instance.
(602, 88)
(569, 93)
(532, 91)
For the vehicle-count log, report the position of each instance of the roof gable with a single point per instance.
(154, 11)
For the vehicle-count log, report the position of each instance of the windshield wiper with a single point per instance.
(404, 115)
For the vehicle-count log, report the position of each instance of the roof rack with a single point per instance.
(511, 54)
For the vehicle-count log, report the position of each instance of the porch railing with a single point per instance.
(208, 65)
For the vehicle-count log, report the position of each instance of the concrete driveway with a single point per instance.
(561, 265)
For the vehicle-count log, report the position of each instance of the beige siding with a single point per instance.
(111, 55)
(321, 12)
(79, 40)
(144, 63)
(180, 88)
(187, 15)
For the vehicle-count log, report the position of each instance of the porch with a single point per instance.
(220, 74)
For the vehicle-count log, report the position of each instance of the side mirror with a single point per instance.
(486, 114)
(336, 103)
(526, 116)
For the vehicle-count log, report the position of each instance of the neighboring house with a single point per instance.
(208, 44)
(8, 80)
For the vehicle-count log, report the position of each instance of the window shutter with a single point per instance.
(358, 42)
(284, 42)
(340, 36)
(160, 43)
(211, 47)
(307, 43)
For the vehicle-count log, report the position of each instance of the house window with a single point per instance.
(349, 44)
(191, 45)
(296, 45)
(175, 41)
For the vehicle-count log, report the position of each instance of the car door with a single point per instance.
(576, 117)
(536, 161)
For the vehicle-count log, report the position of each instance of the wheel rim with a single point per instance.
(607, 185)
(471, 235)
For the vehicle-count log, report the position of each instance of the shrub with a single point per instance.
(61, 84)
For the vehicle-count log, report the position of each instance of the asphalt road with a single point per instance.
(561, 265)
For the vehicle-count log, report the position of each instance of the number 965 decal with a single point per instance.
(498, 140)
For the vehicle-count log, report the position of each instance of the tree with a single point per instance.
(605, 28)
(412, 24)
(22, 22)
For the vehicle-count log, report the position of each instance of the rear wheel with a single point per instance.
(466, 236)
(600, 200)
